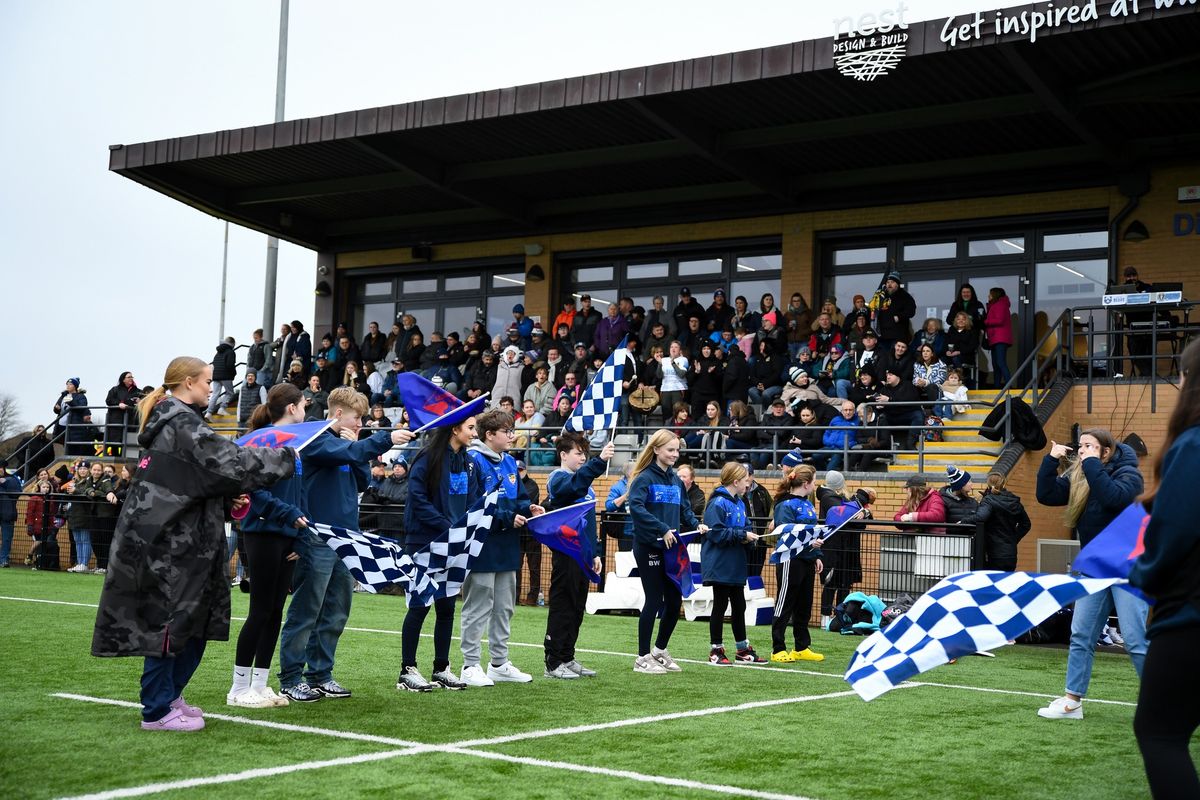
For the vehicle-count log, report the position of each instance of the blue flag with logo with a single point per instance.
(561, 530)
(679, 564)
(430, 406)
(296, 436)
(1112, 552)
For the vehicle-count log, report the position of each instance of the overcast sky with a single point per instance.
(103, 275)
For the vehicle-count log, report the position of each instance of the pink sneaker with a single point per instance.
(179, 704)
(175, 720)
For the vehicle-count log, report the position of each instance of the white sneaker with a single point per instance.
(561, 672)
(473, 676)
(648, 665)
(664, 658)
(248, 698)
(78, 568)
(1114, 635)
(277, 700)
(507, 673)
(1062, 708)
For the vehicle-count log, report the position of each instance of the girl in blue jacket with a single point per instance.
(276, 513)
(658, 504)
(442, 485)
(796, 576)
(723, 563)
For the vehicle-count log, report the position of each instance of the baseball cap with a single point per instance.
(719, 293)
(915, 481)
(579, 345)
(585, 296)
(778, 401)
(870, 334)
(685, 292)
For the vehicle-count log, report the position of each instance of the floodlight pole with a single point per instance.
(224, 281)
(271, 278)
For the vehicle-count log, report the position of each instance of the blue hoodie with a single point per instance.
(335, 472)
(658, 503)
(1112, 487)
(565, 488)
(428, 515)
(502, 550)
(275, 508)
(833, 439)
(796, 509)
(723, 551)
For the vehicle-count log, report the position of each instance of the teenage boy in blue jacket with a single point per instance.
(490, 589)
(568, 485)
(335, 472)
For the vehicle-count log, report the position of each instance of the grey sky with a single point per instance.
(102, 275)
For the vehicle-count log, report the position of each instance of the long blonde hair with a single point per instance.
(733, 472)
(661, 437)
(179, 370)
(1080, 490)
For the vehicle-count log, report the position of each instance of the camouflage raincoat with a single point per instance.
(167, 581)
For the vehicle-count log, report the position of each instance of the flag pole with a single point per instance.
(433, 422)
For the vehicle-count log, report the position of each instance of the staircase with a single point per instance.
(963, 447)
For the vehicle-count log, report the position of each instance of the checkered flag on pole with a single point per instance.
(600, 405)
(447, 559)
(962, 614)
(375, 561)
(793, 538)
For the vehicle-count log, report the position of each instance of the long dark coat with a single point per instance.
(166, 582)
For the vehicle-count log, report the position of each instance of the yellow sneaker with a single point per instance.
(806, 654)
(783, 657)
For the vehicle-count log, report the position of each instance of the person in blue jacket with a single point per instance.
(270, 528)
(571, 483)
(798, 574)
(1168, 570)
(442, 485)
(723, 563)
(335, 472)
(658, 504)
(1095, 488)
(616, 503)
(490, 588)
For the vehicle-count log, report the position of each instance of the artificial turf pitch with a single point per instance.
(945, 740)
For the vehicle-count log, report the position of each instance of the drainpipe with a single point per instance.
(1133, 185)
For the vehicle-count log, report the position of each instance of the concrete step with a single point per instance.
(939, 463)
(982, 444)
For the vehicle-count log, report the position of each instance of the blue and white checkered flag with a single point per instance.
(447, 559)
(375, 561)
(794, 537)
(962, 614)
(600, 405)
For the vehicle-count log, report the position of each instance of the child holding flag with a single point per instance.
(658, 503)
(490, 588)
(723, 563)
(442, 484)
(797, 575)
(568, 485)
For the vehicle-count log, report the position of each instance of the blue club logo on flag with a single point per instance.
(559, 530)
(678, 563)
(430, 406)
(601, 402)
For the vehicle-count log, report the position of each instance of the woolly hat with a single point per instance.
(957, 478)
(893, 275)
(835, 480)
(795, 373)
(74, 381)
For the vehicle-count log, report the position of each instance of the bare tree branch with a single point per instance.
(10, 416)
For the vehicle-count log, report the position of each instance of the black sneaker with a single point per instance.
(332, 689)
(300, 693)
(447, 680)
(245, 586)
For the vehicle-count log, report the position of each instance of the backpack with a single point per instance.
(857, 614)
(898, 608)
(933, 432)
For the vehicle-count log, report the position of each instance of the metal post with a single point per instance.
(224, 282)
(272, 274)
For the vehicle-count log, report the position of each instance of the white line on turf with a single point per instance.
(48, 602)
(1011, 691)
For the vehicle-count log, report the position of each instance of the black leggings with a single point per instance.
(727, 595)
(266, 555)
(1168, 713)
(662, 595)
(443, 629)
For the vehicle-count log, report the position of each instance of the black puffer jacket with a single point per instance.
(224, 363)
(1003, 522)
(958, 508)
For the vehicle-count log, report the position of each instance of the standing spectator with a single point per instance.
(843, 558)
(1002, 522)
(327, 374)
(825, 335)
(962, 344)
(692, 338)
(524, 325)
(686, 309)
(121, 418)
(408, 329)
(316, 400)
(281, 353)
(71, 407)
(224, 371)
(1095, 488)
(858, 310)
(10, 491)
(931, 333)
(84, 439)
(922, 505)
(758, 513)
(347, 352)
(672, 380)
(997, 328)
(566, 316)
(374, 345)
(658, 314)
(106, 507)
(41, 510)
(508, 377)
(770, 332)
(609, 332)
(969, 303)
(895, 312)
(658, 338)
(82, 514)
(250, 397)
(836, 316)
(958, 497)
(393, 340)
(798, 317)
(258, 358)
(414, 352)
(766, 305)
(35, 452)
(431, 357)
(719, 314)
(481, 377)
(704, 381)
(531, 548)
(587, 319)
(300, 346)
(735, 378)
(743, 317)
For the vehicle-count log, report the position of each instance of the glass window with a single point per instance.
(639, 271)
(703, 266)
(933, 299)
(1008, 246)
(499, 313)
(373, 312)
(458, 318)
(753, 290)
(375, 288)
(934, 251)
(844, 257)
(426, 319)
(508, 280)
(844, 287)
(462, 283)
(592, 275)
(1081, 240)
(420, 286)
(765, 263)
(1059, 285)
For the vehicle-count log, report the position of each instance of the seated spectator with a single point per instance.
(771, 332)
(929, 373)
(806, 361)
(695, 494)
(327, 349)
(740, 436)
(825, 335)
(809, 438)
(527, 427)
(250, 397)
(347, 350)
(432, 354)
(566, 316)
(835, 372)
(962, 344)
(414, 352)
(449, 376)
(692, 337)
(766, 376)
(680, 422)
(842, 437)
(329, 375)
(899, 360)
(954, 395)
(922, 505)
(541, 391)
(352, 378)
(830, 307)
(571, 390)
(866, 358)
(389, 394)
(509, 406)
(897, 390)
(295, 374)
(373, 378)
(659, 337)
(317, 400)
(766, 305)
(541, 451)
(776, 437)
(864, 391)
(743, 317)
(931, 333)
(481, 377)
(801, 391)
(853, 335)
(376, 420)
(858, 311)
(83, 438)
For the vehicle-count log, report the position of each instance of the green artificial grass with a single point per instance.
(915, 742)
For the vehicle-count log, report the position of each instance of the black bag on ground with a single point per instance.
(47, 554)
(1055, 629)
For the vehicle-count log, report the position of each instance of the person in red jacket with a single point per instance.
(923, 505)
(997, 326)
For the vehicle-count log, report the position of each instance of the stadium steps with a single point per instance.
(962, 447)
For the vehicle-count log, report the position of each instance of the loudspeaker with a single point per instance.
(422, 252)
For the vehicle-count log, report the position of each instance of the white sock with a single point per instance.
(241, 680)
(657, 651)
(258, 678)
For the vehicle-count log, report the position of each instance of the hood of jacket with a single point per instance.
(477, 446)
(1005, 501)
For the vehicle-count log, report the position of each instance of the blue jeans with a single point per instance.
(1089, 619)
(943, 410)
(842, 388)
(83, 550)
(164, 678)
(1000, 365)
(322, 589)
(6, 537)
(764, 397)
(834, 456)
